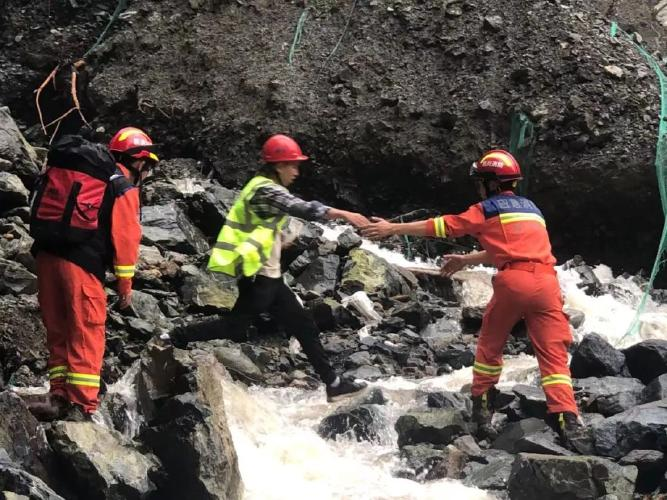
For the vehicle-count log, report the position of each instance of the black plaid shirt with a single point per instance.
(272, 200)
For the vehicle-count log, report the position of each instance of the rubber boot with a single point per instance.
(51, 407)
(482, 414)
(571, 431)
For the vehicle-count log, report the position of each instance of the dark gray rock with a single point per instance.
(595, 357)
(22, 437)
(234, 359)
(16, 279)
(642, 427)
(454, 400)
(188, 431)
(167, 227)
(348, 240)
(364, 372)
(17, 155)
(647, 360)
(656, 390)
(436, 426)
(514, 432)
(548, 477)
(101, 462)
(427, 463)
(363, 423)
(532, 400)
(14, 480)
(469, 446)
(608, 395)
(457, 356)
(208, 209)
(414, 314)
(15, 244)
(493, 474)
(651, 465)
(321, 275)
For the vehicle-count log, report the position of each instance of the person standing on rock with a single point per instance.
(85, 219)
(249, 247)
(512, 232)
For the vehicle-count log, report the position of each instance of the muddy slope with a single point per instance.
(393, 118)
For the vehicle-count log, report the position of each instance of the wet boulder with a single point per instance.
(448, 399)
(22, 437)
(435, 426)
(101, 462)
(16, 155)
(13, 193)
(348, 240)
(363, 423)
(301, 236)
(16, 483)
(532, 400)
(608, 395)
(235, 360)
(414, 314)
(515, 436)
(656, 390)
(426, 462)
(642, 427)
(167, 227)
(16, 279)
(651, 465)
(490, 472)
(647, 360)
(188, 430)
(367, 272)
(556, 478)
(207, 292)
(321, 275)
(595, 357)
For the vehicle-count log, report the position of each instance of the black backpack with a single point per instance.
(71, 191)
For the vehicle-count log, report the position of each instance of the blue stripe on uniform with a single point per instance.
(503, 204)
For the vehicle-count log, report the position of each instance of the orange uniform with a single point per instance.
(513, 232)
(72, 297)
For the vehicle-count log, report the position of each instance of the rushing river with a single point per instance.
(281, 456)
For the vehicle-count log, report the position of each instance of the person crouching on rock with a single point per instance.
(85, 219)
(248, 248)
(512, 232)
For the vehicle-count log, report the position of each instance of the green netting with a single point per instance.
(661, 172)
(297, 35)
(522, 142)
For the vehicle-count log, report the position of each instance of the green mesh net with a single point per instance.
(522, 142)
(661, 172)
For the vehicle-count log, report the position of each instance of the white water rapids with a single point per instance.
(281, 456)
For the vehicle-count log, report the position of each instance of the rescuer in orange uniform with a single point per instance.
(71, 291)
(512, 232)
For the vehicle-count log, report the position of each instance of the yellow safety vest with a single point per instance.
(245, 241)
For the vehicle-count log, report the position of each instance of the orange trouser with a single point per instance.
(529, 291)
(74, 311)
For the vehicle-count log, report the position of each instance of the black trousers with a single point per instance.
(261, 294)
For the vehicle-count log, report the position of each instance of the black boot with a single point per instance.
(571, 431)
(344, 389)
(482, 414)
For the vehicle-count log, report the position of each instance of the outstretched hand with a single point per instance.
(379, 229)
(357, 220)
(451, 264)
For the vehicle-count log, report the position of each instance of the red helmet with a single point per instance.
(497, 164)
(279, 148)
(133, 142)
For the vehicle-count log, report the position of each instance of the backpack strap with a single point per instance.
(120, 184)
